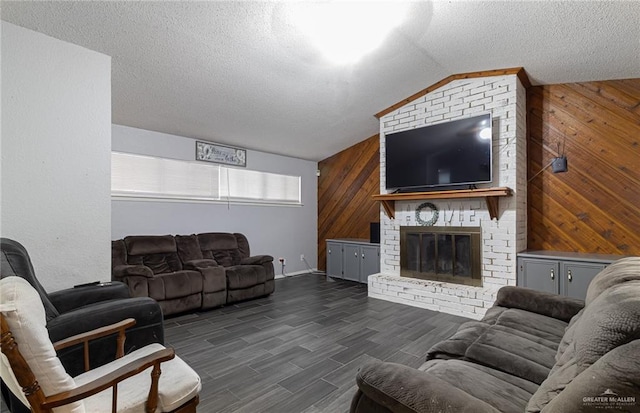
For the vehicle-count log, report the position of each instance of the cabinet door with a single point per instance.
(576, 277)
(351, 262)
(370, 262)
(540, 275)
(334, 259)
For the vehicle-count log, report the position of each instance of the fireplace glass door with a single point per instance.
(441, 254)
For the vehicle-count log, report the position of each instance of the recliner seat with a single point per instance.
(247, 276)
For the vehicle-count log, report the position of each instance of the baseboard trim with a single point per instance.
(293, 274)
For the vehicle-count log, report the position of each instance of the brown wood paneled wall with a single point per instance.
(595, 206)
(346, 184)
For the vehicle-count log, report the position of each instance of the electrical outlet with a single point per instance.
(284, 261)
(301, 257)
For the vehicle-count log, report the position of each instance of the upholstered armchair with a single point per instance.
(247, 276)
(149, 379)
(75, 310)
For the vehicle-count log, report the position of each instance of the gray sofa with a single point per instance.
(532, 352)
(191, 272)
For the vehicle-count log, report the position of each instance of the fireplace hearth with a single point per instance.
(449, 254)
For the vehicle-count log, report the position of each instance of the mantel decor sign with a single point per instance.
(211, 152)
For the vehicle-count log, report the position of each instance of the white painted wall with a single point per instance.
(279, 231)
(56, 139)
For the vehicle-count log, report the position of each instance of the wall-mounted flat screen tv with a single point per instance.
(448, 154)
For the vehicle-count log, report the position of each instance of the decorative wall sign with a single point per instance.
(434, 214)
(211, 152)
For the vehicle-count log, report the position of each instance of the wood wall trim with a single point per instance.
(518, 71)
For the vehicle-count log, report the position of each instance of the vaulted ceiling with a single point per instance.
(241, 73)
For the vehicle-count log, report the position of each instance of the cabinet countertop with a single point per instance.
(352, 241)
(570, 256)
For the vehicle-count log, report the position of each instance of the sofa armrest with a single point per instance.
(256, 260)
(402, 389)
(72, 298)
(197, 264)
(122, 271)
(149, 329)
(540, 302)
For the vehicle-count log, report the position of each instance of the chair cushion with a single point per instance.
(25, 316)
(178, 384)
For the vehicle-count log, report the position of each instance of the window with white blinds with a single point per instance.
(147, 177)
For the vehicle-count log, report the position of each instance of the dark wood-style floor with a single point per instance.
(299, 349)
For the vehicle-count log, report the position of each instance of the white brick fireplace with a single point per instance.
(504, 97)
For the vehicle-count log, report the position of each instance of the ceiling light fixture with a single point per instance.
(344, 31)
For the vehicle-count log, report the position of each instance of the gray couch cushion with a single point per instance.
(625, 269)
(615, 375)
(514, 341)
(503, 391)
(244, 276)
(612, 319)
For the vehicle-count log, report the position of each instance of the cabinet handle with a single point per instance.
(329, 251)
(569, 276)
(355, 254)
(363, 255)
(553, 274)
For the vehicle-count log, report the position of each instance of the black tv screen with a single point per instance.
(450, 154)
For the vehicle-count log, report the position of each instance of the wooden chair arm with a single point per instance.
(84, 339)
(112, 379)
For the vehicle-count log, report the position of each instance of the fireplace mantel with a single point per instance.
(491, 196)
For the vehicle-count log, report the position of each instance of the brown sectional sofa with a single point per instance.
(191, 272)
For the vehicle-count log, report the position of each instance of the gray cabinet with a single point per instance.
(370, 263)
(334, 259)
(352, 259)
(568, 274)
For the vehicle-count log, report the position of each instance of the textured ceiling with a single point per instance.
(240, 73)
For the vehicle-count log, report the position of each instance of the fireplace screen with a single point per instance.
(450, 254)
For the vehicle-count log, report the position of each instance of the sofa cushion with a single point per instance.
(175, 285)
(226, 258)
(210, 241)
(243, 245)
(150, 244)
(612, 319)
(625, 269)
(514, 341)
(188, 248)
(503, 391)
(616, 375)
(158, 263)
(245, 276)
